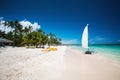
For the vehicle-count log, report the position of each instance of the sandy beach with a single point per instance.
(64, 64)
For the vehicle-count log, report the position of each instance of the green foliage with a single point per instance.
(2, 34)
(26, 37)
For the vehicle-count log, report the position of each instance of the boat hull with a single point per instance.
(88, 52)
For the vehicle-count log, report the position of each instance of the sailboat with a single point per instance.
(85, 40)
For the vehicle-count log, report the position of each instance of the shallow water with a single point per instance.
(110, 50)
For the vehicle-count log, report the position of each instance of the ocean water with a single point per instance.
(109, 50)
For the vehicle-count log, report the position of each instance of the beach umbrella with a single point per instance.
(3, 40)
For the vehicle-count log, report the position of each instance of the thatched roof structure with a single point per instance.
(3, 40)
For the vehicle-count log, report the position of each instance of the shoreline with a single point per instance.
(102, 55)
(64, 64)
(102, 68)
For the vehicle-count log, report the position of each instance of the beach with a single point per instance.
(66, 63)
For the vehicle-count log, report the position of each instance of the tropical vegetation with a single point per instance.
(27, 37)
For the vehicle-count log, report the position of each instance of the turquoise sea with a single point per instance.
(107, 50)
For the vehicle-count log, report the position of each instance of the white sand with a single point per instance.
(63, 64)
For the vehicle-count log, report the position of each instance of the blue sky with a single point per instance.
(67, 18)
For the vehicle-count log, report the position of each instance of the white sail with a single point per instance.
(85, 37)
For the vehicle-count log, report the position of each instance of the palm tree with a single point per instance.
(30, 29)
(5, 24)
(39, 37)
(26, 30)
(44, 39)
(9, 35)
(25, 40)
(11, 24)
(32, 38)
(2, 33)
(17, 28)
(19, 33)
(50, 38)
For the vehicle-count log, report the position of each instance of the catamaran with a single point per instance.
(85, 40)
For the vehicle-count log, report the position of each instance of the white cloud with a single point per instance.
(1, 25)
(25, 23)
(91, 41)
(5, 28)
(1, 18)
(72, 41)
(99, 38)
